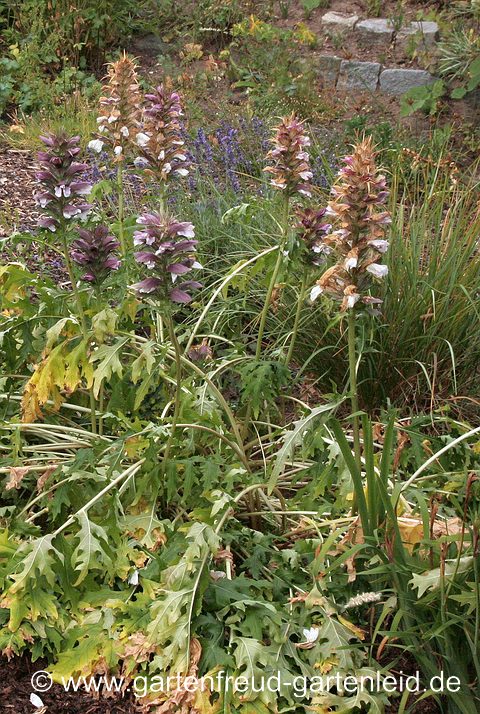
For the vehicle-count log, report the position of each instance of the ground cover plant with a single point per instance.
(239, 426)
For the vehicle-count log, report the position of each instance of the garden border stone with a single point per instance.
(359, 75)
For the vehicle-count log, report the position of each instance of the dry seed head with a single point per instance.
(160, 143)
(358, 239)
(120, 108)
(290, 168)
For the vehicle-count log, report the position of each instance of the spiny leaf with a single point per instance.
(90, 553)
(38, 562)
(108, 359)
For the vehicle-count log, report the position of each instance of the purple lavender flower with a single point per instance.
(168, 252)
(95, 251)
(62, 194)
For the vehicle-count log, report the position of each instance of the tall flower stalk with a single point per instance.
(160, 144)
(167, 255)
(62, 200)
(312, 229)
(358, 243)
(119, 124)
(290, 173)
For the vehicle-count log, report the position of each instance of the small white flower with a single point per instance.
(161, 155)
(133, 579)
(142, 139)
(315, 292)
(95, 145)
(112, 119)
(124, 131)
(117, 150)
(311, 634)
(182, 172)
(167, 168)
(36, 701)
(351, 263)
(140, 162)
(180, 157)
(197, 265)
(377, 270)
(100, 120)
(305, 175)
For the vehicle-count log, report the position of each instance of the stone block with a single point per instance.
(339, 21)
(362, 76)
(377, 32)
(328, 68)
(399, 81)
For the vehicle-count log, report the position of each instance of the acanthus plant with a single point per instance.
(62, 201)
(119, 125)
(161, 143)
(167, 255)
(358, 243)
(290, 173)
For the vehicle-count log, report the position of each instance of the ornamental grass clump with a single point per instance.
(161, 143)
(358, 243)
(62, 193)
(120, 109)
(95, 251)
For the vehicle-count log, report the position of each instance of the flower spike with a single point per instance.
(290, 169)
(358, 241)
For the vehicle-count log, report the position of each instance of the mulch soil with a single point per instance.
(16, 688)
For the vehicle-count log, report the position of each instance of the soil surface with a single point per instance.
(16, 688)
(17, 207)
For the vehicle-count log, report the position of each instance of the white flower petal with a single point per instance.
(95, 145)
(133, 579)
(315, 292)
(377, 270)
(36, 701)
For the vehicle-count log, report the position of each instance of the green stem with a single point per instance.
(352, 363)
(81, 315)
(273, 279)
(301, 297)
(178, 391)
(121, 212)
